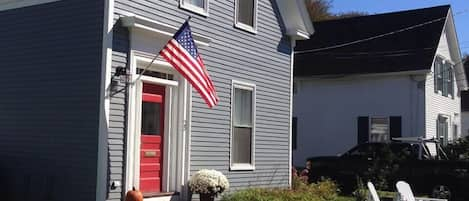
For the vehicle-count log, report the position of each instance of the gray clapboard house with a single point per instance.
(78, 123)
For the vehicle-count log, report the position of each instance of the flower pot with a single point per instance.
(207, 197)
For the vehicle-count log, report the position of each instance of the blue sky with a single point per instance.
(460, 10)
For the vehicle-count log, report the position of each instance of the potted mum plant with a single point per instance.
(208, 184)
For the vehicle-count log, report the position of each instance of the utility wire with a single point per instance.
(377, 36)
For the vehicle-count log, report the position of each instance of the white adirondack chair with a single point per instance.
(372, 194)
(405, 193)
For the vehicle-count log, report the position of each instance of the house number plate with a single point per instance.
(150, 153)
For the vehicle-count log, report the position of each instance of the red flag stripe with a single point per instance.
(201, 63)
(190, 71)
(181, 68)
(166, 55)
(190, 61)
(179, 53)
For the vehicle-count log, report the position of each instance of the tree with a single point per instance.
(319, 10)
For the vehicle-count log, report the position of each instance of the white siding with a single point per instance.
(437, 104)
(327, 110)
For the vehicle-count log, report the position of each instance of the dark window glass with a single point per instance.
(246, 12)
(242, 145)
(151, 113)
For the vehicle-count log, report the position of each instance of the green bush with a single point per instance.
(458, 150)
(322, 191)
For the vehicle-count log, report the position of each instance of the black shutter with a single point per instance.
(294, 132)
(363, 129)
(395, 126)
(435, 74)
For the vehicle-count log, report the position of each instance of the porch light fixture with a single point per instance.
(121, 73)
(119, 76)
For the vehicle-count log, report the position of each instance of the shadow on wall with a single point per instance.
(32, 180)
(283, 45)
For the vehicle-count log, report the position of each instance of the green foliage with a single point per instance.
(361, 192)
(458, 150)
(385, 166)
(322, 191)
(319, 10)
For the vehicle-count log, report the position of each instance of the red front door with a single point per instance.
(152, 134)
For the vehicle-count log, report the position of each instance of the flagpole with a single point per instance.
(154, 58)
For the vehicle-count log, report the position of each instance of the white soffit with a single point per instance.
(159, 28)
(296, 18)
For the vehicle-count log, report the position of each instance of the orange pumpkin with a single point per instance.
(134, 195)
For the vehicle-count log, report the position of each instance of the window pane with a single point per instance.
(442, 129)
(246, 12)
(151, 118)
(379, 130)
(242, 107)
(198, 3)
(440, 75)
(242, 145)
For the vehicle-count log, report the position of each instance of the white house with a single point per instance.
(375, 77)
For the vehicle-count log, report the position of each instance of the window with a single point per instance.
(443, 77)
(243, 107)
(379, 130)
(196, 6)
(246, 15)
(442, 129)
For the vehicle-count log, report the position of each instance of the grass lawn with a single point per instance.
(344, 198)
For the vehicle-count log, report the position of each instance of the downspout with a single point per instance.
(292, 56)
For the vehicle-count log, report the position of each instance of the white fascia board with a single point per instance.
(159, 28)
(421, 73)
(296, 19)
(455, 51)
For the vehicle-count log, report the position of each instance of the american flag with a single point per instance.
(181, 53)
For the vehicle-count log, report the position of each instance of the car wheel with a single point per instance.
(442, 192)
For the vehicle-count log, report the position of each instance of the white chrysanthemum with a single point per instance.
(208, 181)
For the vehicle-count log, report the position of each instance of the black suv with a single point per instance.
(421, 163)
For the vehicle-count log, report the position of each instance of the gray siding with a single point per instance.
(50, 61)
(262, 59)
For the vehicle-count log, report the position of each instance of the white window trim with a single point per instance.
(246, 27)
(12, 4)
(379, 117)
(449, 122)
(195, 9)
(252, 87)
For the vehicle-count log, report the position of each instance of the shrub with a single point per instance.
(459, 149)
(322, 191)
